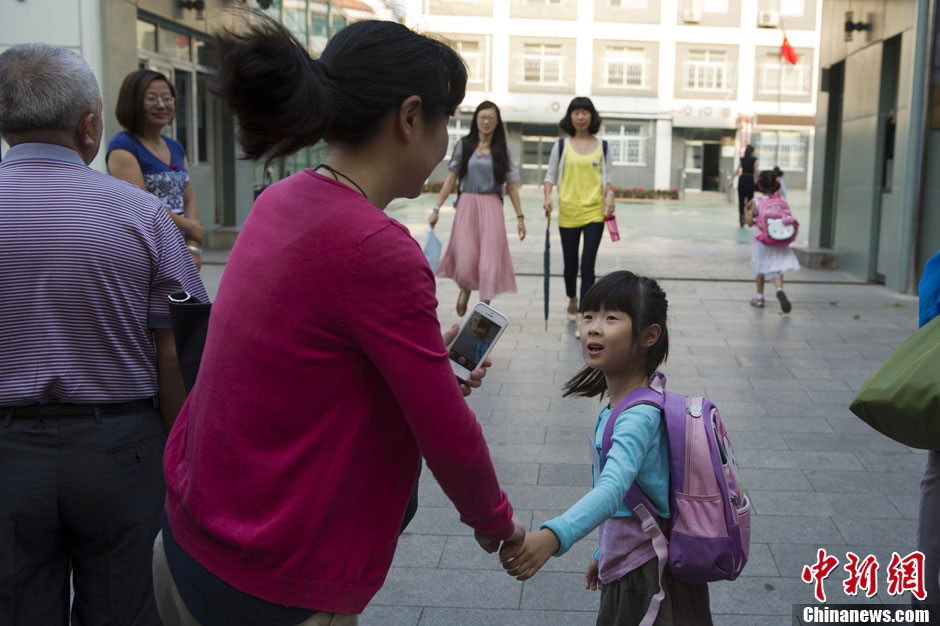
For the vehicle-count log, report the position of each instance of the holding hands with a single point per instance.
(524, 561)
(513, 543)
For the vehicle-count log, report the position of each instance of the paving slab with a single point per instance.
(818, 477)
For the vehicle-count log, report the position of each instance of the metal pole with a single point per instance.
(914, 259)
(307, 24)
(329, 19)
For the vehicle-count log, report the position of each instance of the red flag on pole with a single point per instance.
(787, 51)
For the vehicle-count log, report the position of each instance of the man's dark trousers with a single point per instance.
(79, 496)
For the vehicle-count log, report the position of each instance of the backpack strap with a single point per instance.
(606, 148)
(650, 526)
(635, 499)
(643, 395)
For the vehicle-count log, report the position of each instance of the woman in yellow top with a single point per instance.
(580, 167)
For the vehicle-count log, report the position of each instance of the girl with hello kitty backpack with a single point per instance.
(776, 230)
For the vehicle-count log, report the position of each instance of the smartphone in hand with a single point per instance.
(475, 339)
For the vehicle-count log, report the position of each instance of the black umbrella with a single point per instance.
(548, 221)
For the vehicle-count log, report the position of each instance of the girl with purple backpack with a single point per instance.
(769, 261)
(624, 339)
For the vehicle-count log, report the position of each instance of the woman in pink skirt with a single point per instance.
(477, 255)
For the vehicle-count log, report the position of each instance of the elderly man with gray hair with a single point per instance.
(87, 362)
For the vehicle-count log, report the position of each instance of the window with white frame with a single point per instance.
(779, 77)
(709, 6)
(694, 152)
(707, 70)
(628, 4)
(792, 8)
(542, 64)
(543, 1)
(626, 142)
(457, 129)
(625, 67)
(473, 56)
(784, 149)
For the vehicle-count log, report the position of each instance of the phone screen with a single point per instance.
(473, 341)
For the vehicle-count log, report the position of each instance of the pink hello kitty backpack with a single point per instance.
(709, 526)
(776, 225)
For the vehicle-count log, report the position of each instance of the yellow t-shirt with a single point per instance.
(580, 195)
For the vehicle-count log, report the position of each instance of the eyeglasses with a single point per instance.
(151, 99)
(486, 118)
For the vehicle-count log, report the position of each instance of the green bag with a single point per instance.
(902, 399)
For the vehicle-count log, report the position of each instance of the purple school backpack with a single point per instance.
(709, 526)
(776, 225)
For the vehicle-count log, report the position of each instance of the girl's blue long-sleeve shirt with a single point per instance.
(638, 452)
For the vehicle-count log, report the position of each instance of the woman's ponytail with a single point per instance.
(280, 95)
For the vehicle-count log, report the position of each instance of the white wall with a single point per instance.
(73, 24)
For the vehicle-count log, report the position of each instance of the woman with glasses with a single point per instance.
(477, 255)
(142, 155)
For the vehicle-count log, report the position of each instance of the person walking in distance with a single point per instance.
(746, 175)
(477, 255)
(580, 168)
(326, 326)
(769, 261)
(86, 264)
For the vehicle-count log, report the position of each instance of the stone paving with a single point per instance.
(817, 476)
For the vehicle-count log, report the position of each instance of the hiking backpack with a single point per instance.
(709, 526)
(776, 224)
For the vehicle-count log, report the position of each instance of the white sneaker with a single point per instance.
(572, 311)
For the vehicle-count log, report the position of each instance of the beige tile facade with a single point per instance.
(542, 64)
(470, 8)
(627, 11)
(706, 71)
(796, 84)
(543, 9)
(710, 12)
(625, 68)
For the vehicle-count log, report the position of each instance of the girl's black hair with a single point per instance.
(749, 150)
(778, 172)
(498, 151)
(581, 103)
(767, 182)
(285, 100)
(645, 302)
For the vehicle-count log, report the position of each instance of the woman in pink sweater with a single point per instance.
(324, 378)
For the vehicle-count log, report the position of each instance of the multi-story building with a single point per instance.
(682, 85)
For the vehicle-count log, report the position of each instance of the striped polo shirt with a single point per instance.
(86, 264)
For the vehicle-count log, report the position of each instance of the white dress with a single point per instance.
(773, 260)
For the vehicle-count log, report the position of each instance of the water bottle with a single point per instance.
(612, 227)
